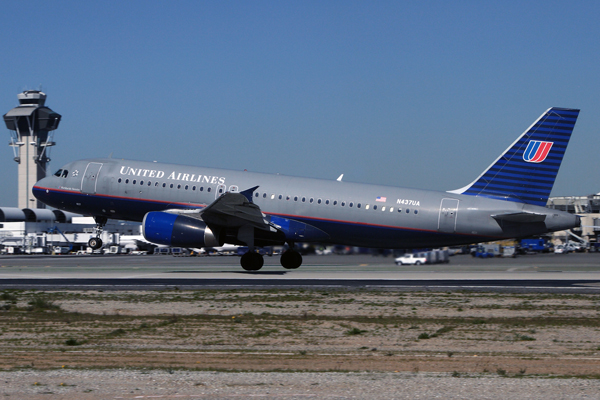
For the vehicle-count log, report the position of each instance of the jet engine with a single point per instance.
(177, 230)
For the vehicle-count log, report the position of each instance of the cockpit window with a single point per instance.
(62, 173)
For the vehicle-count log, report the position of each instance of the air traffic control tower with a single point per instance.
(31, 125)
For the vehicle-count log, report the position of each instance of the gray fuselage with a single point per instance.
(353, 214)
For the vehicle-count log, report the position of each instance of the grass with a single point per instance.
(40, 321)
(520, 337)
(73, 342)
(40, 304)
(354, 331)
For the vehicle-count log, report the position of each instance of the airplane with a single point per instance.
(189, 206)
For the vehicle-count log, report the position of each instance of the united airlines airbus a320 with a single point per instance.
(187, 206)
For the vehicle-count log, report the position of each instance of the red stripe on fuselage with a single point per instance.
(275, 214)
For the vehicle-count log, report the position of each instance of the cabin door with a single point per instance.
(90, 178)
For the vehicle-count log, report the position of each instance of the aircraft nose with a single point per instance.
(41, 189)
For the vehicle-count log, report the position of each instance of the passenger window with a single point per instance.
(280, 197)
(201, 188)
(351, 204)
(164, 185)
(319, 201)
(126, 180)
(287, 197)
(256, 194)
(264, 195)
(382, 208)
(416, 211)
(141, 182)
(187, 187)
(391, 209)
(119, 180)
(367, 206)
(194, 187)
(343, 203)
(208, 189)
(273, 197)
(327, 202)
(171, 186)
(400, 210)
(295, 198)
(149, 183)
(407, 210)
(134, 181)
(358, 205)
(311, 200)
(335, 202)
(156, 184)
(304, 199)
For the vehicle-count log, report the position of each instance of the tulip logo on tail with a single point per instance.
(537, 151)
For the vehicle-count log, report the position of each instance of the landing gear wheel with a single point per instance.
(95, 243)
(291, 259)
(252, 261)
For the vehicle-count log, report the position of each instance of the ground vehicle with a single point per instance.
(565, 248)
(411, 259)
(486, 251)
(560, 249)
(535, 245)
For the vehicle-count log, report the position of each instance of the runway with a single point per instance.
(579, 273)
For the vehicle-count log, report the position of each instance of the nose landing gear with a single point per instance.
(95, 243)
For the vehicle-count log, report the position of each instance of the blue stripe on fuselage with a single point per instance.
(352, 233)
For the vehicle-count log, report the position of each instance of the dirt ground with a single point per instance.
(303, 330)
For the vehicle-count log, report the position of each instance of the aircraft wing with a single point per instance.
(231, 210)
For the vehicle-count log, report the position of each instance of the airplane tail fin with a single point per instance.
(526, 171)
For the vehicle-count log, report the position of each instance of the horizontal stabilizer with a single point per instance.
(520, 217)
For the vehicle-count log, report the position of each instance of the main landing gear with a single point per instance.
(291, 259)
(252, 261)
(95, 243)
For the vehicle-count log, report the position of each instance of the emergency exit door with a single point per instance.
(447, 218)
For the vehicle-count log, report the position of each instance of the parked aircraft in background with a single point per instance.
(188, 206)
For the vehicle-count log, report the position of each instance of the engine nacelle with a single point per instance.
(177, 230)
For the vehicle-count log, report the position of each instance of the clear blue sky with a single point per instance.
(423, 94)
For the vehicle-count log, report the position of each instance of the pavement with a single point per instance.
(576, 271)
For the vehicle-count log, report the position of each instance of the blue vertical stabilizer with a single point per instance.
(526, 171)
